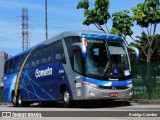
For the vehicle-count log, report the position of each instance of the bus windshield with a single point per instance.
(106, 59)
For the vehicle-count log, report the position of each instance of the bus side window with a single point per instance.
(46, 54)
(28, 62)
(35, 58)
(58, 52)
(27, 65)
(11, 66)
(6, 68)
(69, 41)
(17, 64)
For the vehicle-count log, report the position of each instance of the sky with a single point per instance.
(62, 16)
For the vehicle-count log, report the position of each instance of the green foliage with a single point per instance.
(123, 22)
(98, 16)
(115, 31)
(142, 44)
(147, 13)
(84, 4)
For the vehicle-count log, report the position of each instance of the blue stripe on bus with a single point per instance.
(28, 91)
(101, 36)
(32, 81)
(107, 83)
(38, 88)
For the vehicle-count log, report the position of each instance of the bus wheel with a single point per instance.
(14, 100)
(67, 102)
(20, 103)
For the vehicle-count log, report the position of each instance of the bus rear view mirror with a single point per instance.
(82, 47)
(136, 51)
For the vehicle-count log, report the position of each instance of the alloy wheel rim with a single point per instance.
(66, 97)
(19, 100)
(14, 99)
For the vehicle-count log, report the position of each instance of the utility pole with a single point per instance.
(46, 19)
(25, 36)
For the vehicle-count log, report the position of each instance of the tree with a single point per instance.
(122, 24)
(147, 16)
(98, 16)
(142, 41)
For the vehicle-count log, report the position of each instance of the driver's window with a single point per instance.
(77, 57)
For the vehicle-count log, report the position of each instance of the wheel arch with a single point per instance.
(62, 87)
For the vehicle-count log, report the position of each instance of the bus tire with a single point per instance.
(14, 100)
(66, 97)
(21, 103)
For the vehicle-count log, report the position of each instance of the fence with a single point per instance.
(146, 80)
(1, 95)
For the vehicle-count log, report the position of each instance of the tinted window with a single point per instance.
(28, 62)
(18, 63)
(11, 65)
(46, 54)
(70, 48)
(69, 41)
(35, 56)
(77, 63)
(58, 52)
(6, 68)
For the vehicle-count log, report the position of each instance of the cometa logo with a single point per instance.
(41, 73)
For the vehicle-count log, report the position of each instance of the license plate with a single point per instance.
(113, 94)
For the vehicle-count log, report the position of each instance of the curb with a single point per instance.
(146, 101)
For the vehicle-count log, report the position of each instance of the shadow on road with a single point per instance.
(89, 105)
(86, 105)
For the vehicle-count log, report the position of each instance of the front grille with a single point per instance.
(114, 88)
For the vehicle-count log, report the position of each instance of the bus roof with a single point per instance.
(81, 33)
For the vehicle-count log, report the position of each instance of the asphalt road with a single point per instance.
(83, 112)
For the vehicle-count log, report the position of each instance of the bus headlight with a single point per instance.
(91, 84)
(130, 85)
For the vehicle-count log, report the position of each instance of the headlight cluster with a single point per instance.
(91, 84)
(130, 85)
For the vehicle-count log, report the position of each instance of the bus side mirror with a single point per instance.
(83, 49)
(136, 51)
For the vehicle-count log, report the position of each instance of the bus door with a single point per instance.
(77, 74)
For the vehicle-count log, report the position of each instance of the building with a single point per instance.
(3, 57)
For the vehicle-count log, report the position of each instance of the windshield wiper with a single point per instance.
(108, 63)
(105, 69)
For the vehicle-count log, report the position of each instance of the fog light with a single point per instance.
(92, 93)
(131, 93)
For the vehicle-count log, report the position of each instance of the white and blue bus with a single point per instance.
(72, 66)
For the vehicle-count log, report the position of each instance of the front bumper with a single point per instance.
(91, 93)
